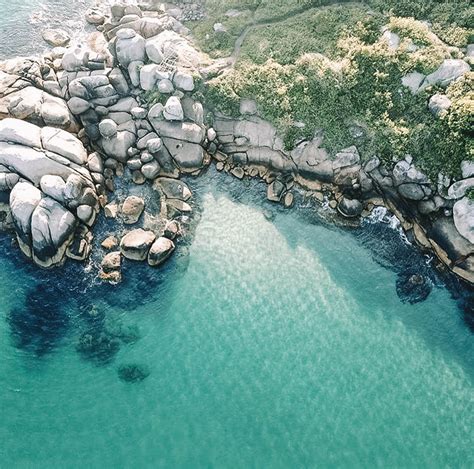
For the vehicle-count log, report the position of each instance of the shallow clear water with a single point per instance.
(271, 344)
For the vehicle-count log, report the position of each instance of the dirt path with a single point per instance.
(232, 60)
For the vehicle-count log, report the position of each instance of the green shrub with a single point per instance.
(362, 85)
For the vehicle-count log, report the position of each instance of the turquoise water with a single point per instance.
(271, 344)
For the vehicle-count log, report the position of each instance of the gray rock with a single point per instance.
(173, 110)
(73, 189)
(138, 178)
(108, 128)
(148, 77)
(467, 169)
(439, 103)
(24, 198)
(86, 214)
(32, 164)
(183, 81)
(65, 144)
(449, 70)
(143, 142)
(154, 145)
(186, 131)
(54, 187)
(136, 244)
(173, 188)
(78, 105)
(52, 229)
(120, 118)
(146, 157)
(372, 164)
(119, 82)
(151, 170)
(349, 208)
(118, 146)
(154, 50)
(463, 215)
(412, 191)
(124, 105)
(56, 37)
(156, 111)
(413, 81)
(404, 172)
(134, 69)
(275, 191)
(8, 181)
(132, 209)
(95, 163)
(75, 58)
(129, 47)
(18, 131)
(347, 157)
(189, 157)
(391, 39)
(134, 164)
(459, 188)
(211, 134)
(431, 205)
(165, 86)
(139, 113)
(160, 251)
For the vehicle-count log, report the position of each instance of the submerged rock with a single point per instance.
(98, 346)
(133, 373)
(413, 288)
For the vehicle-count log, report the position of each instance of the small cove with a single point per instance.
(270, 343)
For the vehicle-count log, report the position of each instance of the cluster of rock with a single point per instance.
(120, 104)
(441, 215)
(93, 96)
(154, 240)
(53, 199)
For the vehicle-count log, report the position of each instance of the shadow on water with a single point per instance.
(415, 280)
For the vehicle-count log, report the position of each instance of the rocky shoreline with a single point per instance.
(121, 109)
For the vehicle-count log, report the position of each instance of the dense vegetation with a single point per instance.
(354, 91)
